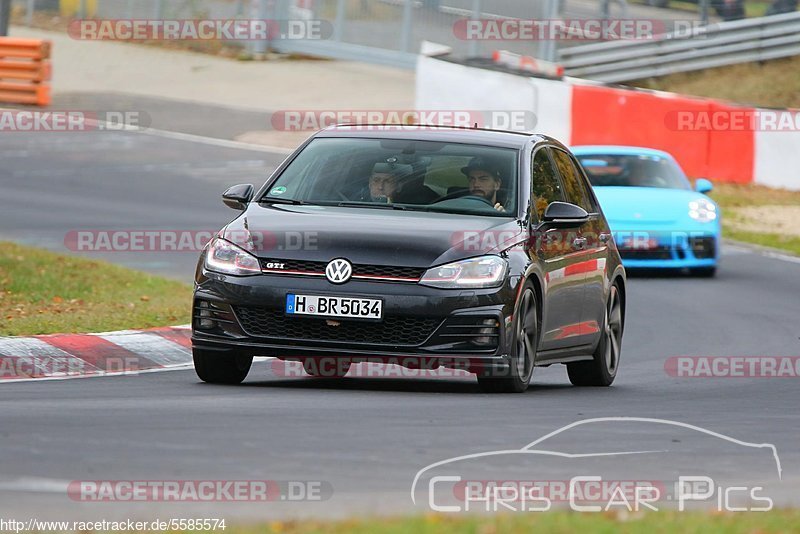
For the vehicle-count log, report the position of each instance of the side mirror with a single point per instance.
(564, 214)
(238, 196)
(701, 185)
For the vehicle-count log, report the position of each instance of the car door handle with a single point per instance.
(579, 243)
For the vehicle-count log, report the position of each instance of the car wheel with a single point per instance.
(523, 351)
(602, 369)
(220, 368)
(703, 272)
(324, 368)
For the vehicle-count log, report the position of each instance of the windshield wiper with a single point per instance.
(371, 205)
(292, 201)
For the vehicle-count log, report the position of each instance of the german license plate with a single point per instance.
(328, 306)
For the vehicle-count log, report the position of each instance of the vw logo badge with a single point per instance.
(338, 271)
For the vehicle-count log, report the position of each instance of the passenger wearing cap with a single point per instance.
(484, 180)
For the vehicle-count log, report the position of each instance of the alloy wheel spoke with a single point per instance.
(614, 353)
(615, 320)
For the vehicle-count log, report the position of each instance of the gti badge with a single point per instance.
(338, 271)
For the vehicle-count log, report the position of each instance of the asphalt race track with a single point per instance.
(57, 182)
(365, 438)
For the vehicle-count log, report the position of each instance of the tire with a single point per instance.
(703, 272)
(602, 369)
(221, 368)
(523, 350)
(322, 369)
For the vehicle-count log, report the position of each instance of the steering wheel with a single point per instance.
(463, 194)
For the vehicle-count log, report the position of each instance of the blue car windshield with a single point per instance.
(401, 174)
(606, 170)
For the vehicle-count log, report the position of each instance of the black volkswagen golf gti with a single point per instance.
(424, 247)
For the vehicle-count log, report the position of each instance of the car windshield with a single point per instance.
(633, 171)
(402, 174)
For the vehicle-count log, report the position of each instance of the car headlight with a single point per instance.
(486, 271)
(225, 257)
(703, 210)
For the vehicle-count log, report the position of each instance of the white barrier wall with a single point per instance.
(450, 86)
(777, 162)
(579, 112)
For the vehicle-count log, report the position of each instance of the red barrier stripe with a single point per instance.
(99, 352)
(731, 153)
(181, 336)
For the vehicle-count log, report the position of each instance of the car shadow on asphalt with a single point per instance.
(409, 385)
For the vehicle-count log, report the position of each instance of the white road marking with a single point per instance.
(180, 136)
(35, 485)
(733, 249)
(781, 257)
(178, 367)
(43, 357)
(151, 346)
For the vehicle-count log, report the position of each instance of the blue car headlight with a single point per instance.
(703, 210)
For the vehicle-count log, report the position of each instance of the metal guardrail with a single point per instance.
(716, 45)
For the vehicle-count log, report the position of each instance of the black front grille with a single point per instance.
(703, 247)
(387, 270)
(270, 323)
(318, 267)
(658, 253)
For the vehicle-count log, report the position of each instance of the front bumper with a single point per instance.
(455, 328)
(674, 250)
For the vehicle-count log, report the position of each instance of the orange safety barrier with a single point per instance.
(25, 71)
(674, 123)
(731, 151)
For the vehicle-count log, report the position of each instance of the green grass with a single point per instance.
(555, 522)
(733, 196)
(43, 293)
(774, 83)
(785, 243)
(743, 195)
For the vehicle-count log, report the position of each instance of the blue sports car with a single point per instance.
(657, 219)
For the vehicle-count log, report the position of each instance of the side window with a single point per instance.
(573, 181)
(545, 186)
(586, 185)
